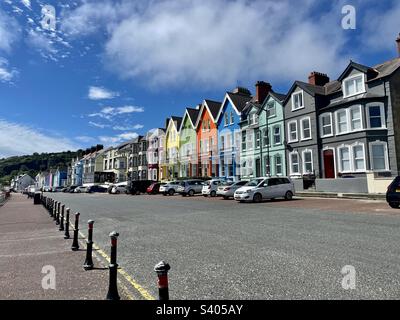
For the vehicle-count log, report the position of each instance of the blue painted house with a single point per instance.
(60, 178)
(227, 121)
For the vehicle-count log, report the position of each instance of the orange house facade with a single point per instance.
(207, 139)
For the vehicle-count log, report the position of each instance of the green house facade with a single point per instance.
(263, 147)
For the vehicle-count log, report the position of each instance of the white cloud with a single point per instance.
(98, 125)
(6, 74)
(216, 43)
(108, 140)
(18, 139)
(9, 32)
(100, 93)
(40, 41)
(26, 3)
(110, 112)
(125, 128)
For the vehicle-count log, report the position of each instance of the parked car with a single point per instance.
(227, 190)
(139, 186)
(47, 189)
(154, 188)
(93, 189)
(71, 189)
(265, 188)
(170, 188)
(119, 189)
(393, 193)
(210, 187)
(57, 189)
(190, 187)
(80, 189)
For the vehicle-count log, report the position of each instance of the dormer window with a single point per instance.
(297, 100)
(354, 85)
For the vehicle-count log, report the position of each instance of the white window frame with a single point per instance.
(386, 154)
(338, 132)
(257, 138)
(322, 124)
(291, 164)
(383, 118)
(350, 121)
(266, 130)
(269, 104)
(340, 160)
(280, 165)
(353, 157)
(302, 129)
(302, 100)
(352, 78)
(226, 119)
(275, 135)
(304, 162)
(289, 131)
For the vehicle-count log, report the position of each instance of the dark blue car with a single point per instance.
(393, 193)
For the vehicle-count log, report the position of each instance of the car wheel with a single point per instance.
(257, 198)
(164, 194)
(117, 192)
(213, 194)
(205, 196)
(289, 195)
(394, 205)
(191, 193)
(171, 192)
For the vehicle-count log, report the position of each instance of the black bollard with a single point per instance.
(66, 234)
(75, 244)
(51, 207)
(162, 269)
(58, 213)
(88, 265)
(55, 211)
(112, 286)
(61, 228)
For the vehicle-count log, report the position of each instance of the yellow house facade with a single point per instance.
(172, 148)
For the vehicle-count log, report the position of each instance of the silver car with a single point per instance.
(190, 187)
(265, 188)
(210, 187)
(170, 188)
(228, 189)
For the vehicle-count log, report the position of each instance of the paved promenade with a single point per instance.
(29, 241)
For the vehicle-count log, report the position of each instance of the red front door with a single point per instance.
(329, 164)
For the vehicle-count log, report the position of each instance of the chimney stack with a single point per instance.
(398, 45)
(262, 90)
(318, 79)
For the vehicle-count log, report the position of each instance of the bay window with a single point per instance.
(355, 118)
(307, 161)
(344, 159)
(358, 157)
(294, 163)
(341, 121)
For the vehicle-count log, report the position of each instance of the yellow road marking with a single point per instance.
(144, 293)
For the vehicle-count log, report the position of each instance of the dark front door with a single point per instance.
(329, 164)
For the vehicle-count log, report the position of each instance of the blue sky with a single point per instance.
(114, 69)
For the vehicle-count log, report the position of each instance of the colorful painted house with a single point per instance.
(228, 120)
(172, 147)
(188, 143)
(155, 149)
(60, 178)
(265, 126)
(207, 139)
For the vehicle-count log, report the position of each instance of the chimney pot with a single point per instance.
(318, 79)
(262, 90)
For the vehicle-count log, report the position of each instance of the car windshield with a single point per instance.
(228, 183)
(254, 182)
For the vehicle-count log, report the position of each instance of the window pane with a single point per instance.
(344, 158)
(355, 118)
(375, 117)
(342, 121)
(359, 84)
(349, 87)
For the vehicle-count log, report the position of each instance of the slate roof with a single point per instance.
(193, 114)
(178, 121)
(239, 100)
(214, 107)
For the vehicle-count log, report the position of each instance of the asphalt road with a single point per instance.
(226, 250)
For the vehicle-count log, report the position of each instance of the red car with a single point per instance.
(154, 188)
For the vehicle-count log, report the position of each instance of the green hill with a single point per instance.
(33, 164)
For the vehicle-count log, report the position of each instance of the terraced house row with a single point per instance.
(341, 135)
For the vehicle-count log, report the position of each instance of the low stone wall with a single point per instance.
(344, 185)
